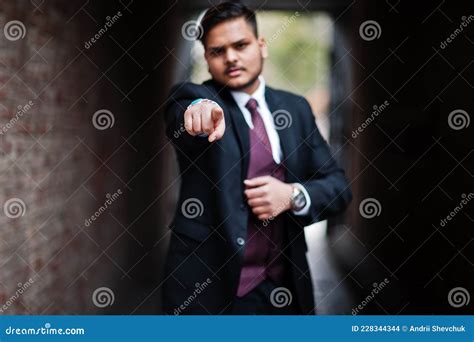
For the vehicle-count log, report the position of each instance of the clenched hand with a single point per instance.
(205, 117)
(267, 196)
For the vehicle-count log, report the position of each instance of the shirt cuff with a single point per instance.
(305, 210)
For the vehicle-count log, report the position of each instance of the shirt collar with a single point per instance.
(259, 94)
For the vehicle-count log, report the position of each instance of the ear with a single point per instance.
(263, 47)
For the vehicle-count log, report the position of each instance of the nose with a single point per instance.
(231, 56)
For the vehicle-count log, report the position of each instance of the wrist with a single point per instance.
(201, 100)
(289, 197)
(298, 198)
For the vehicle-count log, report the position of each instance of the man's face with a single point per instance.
(233, 54)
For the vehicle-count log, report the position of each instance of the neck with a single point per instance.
(250, 88)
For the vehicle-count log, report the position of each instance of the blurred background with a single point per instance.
(88, 181)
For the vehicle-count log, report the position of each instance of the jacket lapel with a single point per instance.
(285, 132)
(240, 129)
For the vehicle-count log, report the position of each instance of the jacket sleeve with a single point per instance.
(327, 185)
(180, 97)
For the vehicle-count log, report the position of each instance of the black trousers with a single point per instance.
(268, 298)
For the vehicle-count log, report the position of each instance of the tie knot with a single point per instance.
(252, 105)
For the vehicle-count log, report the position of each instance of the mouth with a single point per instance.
(234, 71)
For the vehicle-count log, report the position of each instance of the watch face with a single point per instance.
(299, 201)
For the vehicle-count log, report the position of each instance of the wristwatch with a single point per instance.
(298, 199)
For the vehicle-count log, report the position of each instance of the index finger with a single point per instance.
(255, 192)
(219, 129)
(257, 181)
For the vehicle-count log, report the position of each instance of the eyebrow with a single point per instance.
(217, 48)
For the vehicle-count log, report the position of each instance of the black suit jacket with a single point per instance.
(204, 259)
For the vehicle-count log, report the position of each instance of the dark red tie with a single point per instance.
(262, 255)
(258, 125)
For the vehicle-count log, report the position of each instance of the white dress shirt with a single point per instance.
(241, 98)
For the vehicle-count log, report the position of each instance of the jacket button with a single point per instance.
(240, 241)
(242, 206)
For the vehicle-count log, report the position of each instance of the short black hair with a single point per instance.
(226, 11)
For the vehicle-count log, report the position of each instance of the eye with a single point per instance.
(216, 52)
(241, 46)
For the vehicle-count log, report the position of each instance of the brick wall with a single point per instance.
(51, 163)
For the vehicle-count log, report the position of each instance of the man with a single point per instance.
(255, 170)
